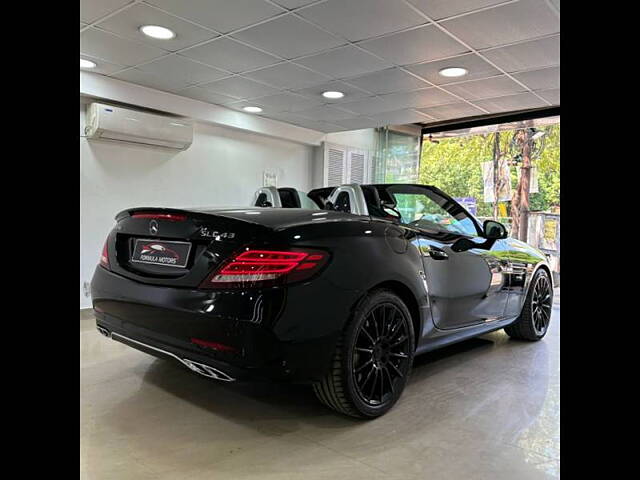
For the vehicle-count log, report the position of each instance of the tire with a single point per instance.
(366, 382)
(533, 322)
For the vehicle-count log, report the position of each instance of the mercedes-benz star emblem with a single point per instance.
(153, 227)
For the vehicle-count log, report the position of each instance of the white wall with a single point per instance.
(222, 167)
(364, 139)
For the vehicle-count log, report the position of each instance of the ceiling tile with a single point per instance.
(399, 117)
(439, 9)
(324, 113)
(509, 23)
(287, 102)
(287, 75)
(294, 119)
(343, 62)
(239, 105)
(182, 70)
(92, 10)
(127, 24)
(198, 93)
(527, 55)
(230, 55)
(486, 88)
(115, 49)
(417, 45)
(454, 110)
(222, 15)
(291, 4)
(325, 127)
(239, 87)
(358, 123)
(552, 95)
(151, 80)
(286, 117)
(350, 93)
(289, 37)
(475, 65)
(360, 19)
(426, 97)
(370, 105)
(387, 81)
(510, 103)
(545, 78)
(102, 66)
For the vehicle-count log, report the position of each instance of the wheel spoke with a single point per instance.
(386, 370)
(361, 367)
(374, 320)
(368, 375)
(545, 314)
(371, 340)
(373, 385)
(400, 341)
(400, 374)
(397, 327)
(365, 350)
(399, 355)
(385, 322)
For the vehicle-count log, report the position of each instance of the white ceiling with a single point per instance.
(383, 54)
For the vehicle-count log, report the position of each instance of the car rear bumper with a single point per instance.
(235, 333)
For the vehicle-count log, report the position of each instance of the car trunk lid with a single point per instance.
(177, 247)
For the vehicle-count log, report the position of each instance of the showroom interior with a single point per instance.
(201, 103)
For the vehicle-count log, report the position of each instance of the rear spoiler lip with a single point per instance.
(201, 213)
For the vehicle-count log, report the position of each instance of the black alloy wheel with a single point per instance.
(380, 357)
(373, 358)
(533, 322)
(541, 304)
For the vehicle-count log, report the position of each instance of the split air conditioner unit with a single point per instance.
(118, 124)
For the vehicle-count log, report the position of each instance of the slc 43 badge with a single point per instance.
(219, 236)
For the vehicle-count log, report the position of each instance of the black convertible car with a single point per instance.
(341, 295)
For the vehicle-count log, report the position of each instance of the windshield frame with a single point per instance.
(384, 191)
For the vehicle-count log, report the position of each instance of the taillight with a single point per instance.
(104, 257)
(257, 268)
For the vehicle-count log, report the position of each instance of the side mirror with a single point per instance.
(494, 230)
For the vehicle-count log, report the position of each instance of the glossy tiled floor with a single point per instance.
(483, 409)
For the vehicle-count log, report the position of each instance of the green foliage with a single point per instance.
(454, 165)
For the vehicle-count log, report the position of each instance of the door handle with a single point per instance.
(437, 254)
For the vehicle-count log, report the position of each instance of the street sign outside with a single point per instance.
(469, 203)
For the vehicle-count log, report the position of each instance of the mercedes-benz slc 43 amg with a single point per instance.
(342, 296)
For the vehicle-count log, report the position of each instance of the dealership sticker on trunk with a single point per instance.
(155, 252)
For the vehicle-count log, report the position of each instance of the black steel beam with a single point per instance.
(491, 119)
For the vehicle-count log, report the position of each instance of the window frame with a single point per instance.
(387, 189)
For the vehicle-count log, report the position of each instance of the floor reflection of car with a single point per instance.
(339, 288)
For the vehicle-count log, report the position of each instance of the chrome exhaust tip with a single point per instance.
(200, 368)
(103, 331)
(207, 370)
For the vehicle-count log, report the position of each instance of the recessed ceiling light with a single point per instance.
(156, 31)
(252, 109)
(453, 72)
(332, 94)
(87, 63)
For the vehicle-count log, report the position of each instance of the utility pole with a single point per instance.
(496, 173)
(520, 201)
(525, 181)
